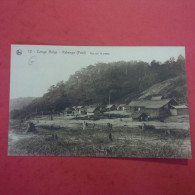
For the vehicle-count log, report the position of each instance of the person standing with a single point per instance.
(84, 125)
(109, 131)
(93, 126)
(110, 136)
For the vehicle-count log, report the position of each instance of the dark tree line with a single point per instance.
(96, 83)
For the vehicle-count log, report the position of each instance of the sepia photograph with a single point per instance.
(98, 101)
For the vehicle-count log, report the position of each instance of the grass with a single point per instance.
(73, 141)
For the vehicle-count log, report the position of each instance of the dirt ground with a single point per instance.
(64, 136)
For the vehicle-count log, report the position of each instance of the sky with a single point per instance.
(34, 68)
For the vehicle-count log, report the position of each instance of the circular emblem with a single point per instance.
(19, 52)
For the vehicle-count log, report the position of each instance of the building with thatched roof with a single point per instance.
(74, 107)
(141, 116)
(179, 110)
(69, 111)
(79, 110)
(153, 108)
(157, 97)
(79, 107)
(122, 107)
(111, 107)
(93, 110)
(82, 111)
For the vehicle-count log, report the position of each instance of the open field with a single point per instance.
(65, 136)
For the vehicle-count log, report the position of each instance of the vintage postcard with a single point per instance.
(98, 101)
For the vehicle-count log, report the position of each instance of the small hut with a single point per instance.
(80, 107)
(93, 111)
(111, 107)
(122, 107)
(74, 108)
(82, 111)
(69, 111)
(179, 110)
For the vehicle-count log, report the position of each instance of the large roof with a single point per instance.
(83, 109)
(157, 98)
(110, 106)
(93, 109)
(151, 103)
(137, 114)
(80, 107)
(180, 106)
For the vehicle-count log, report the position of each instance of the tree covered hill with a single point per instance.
(122, 81)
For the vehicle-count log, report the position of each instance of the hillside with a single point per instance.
(120, 82)
(171, 88)
(18, 103)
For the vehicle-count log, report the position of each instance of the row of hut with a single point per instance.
(93, 109)
(155, 108)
